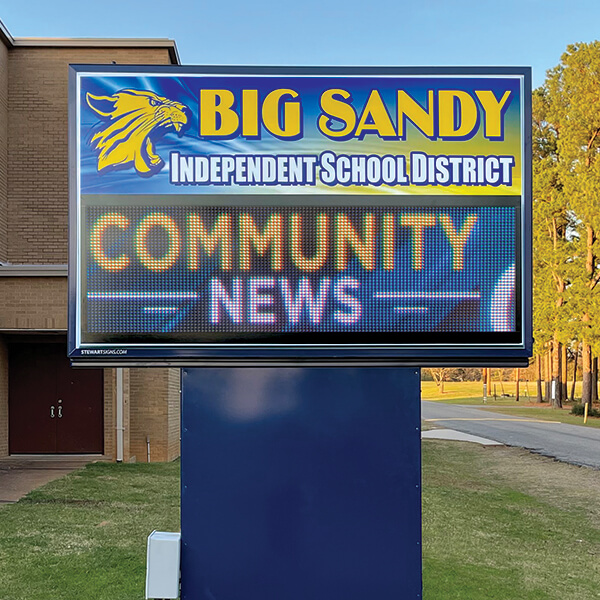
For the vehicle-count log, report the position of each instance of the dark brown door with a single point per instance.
(79, 419)
(52, 407)
(32, 398)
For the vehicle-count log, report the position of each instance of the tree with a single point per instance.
(552, 262)
(573, 93)
(439, 376)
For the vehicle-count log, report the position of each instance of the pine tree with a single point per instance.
(573, 92)
(552, 261)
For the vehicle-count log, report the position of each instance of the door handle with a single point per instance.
(52, 412)
(60, 412)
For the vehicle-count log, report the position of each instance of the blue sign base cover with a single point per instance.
(301, 484)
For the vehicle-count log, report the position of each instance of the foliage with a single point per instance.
(466, 374)
(567, 197)
(451, 374)
(551, 221)
(579, 410)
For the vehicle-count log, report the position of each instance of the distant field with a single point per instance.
(471, 392)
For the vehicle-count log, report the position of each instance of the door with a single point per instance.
(52, 407)
(79, 410)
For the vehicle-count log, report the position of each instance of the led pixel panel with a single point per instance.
(299, 215)
(214, 273)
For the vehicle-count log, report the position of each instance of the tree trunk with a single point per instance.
(586, 365)
(586, 350)
(484, 381)
(538, 376)
(556, 388)
(564, 373)
(548, 376)
(574, 373)
(595, 379)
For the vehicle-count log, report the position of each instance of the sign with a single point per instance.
(315, 214)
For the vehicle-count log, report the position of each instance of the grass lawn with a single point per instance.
(471, 392)
(83, 537)
(499, 523)
(545, 413)
(503, 524)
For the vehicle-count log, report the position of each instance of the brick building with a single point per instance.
(45, 406)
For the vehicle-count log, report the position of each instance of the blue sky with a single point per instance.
(325, 32)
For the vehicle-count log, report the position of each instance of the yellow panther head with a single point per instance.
(131, 117)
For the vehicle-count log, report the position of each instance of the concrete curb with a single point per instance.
(458, 436)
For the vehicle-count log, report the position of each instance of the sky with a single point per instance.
(324, 32)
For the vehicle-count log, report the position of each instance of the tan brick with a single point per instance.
(154, 409)
(37, 177)
(110, 411)
(3, 152)
(3, 397)
(33, 303)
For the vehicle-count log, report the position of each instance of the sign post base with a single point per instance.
(301, 484)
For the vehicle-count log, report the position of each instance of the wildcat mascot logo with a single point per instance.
(133, 121)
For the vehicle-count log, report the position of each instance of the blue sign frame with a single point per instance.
(437, 186)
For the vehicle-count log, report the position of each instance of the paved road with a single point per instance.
(574, 444)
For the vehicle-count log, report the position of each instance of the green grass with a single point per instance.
(471, 392)
(498, 524)
(546, 414)
(502, 524)
(84, 536)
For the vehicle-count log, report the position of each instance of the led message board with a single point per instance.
(310, 214)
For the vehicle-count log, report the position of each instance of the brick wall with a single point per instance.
(126, 416)
(3, 397)
(110, 412)
(174, 419)
(38, 145)
(154, 397)
(3, 151)
(33, 303)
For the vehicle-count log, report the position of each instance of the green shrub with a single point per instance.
(578, 409)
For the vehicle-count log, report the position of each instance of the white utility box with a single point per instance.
(163, 565)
